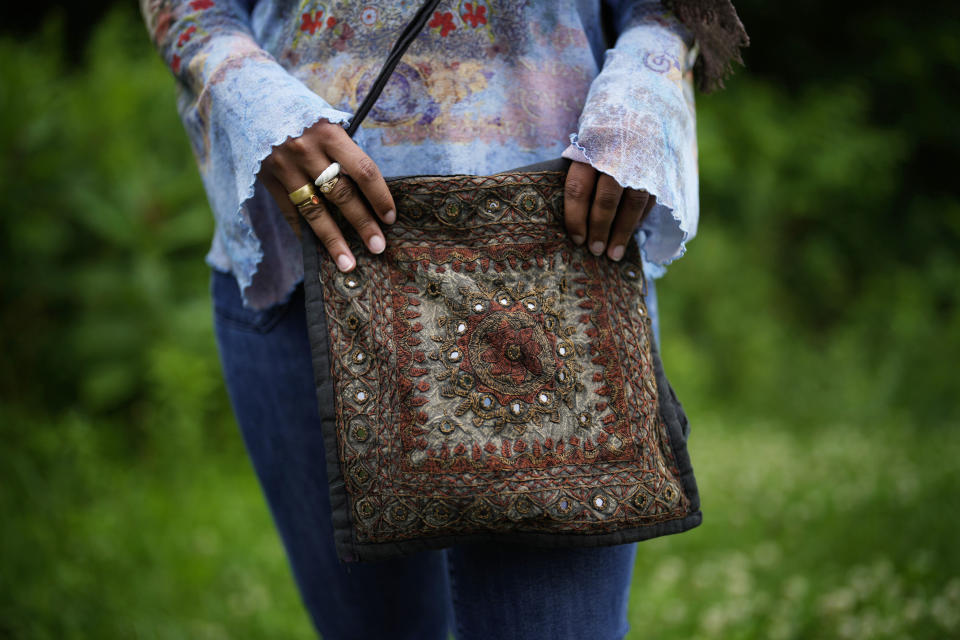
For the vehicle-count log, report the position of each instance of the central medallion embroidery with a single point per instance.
(511, 354)
(506, 352)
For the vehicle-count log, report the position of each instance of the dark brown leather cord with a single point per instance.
(406, 38)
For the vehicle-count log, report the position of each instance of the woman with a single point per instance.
(264, 87)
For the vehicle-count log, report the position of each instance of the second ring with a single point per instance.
(328, 178)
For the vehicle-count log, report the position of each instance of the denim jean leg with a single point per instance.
(523, 593)
(267, 368)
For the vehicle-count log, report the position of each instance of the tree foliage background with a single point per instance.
(812, 331)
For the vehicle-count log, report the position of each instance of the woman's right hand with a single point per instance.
(360, 194)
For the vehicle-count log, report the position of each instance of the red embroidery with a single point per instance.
(475, 14)
(346, 33)
(200, 5)
(175, 63)
(331, 22)
(444, 21)
(312, 21)
(513, 353)
(185, 36)
(164, 20)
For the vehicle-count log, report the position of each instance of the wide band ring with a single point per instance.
(301, 195)
(328, 186)
(328, 174)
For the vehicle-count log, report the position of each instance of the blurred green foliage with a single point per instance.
(103, 223)
(812, 332)
(821, 284)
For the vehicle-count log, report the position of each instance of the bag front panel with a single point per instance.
(490, 376)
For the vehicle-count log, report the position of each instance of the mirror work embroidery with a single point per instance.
(504, 387)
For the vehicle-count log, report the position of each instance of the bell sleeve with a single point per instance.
(638, 125)
(236, 102)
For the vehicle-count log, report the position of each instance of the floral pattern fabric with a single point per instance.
(486, 87)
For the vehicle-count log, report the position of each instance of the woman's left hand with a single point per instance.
(601, 212)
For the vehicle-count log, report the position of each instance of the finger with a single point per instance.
(651, 201)
(346, 197)
(602, 212)
(364, 172)
(287, 178)
(632, 205)
(577, 189)
(279, 194)
(326, 229)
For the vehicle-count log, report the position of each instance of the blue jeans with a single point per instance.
(476, 591)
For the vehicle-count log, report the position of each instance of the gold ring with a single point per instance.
(307, 205)
(301, 195)
(328, 186)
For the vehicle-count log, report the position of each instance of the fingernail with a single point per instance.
(616, 253)
(377, 244)
(578, 240)
(390, 216)
(596, 248)
(344, 262)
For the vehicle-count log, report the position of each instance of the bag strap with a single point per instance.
(407, 36)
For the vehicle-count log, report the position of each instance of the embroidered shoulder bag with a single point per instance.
(485, 379)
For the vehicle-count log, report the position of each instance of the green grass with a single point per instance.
(842, 532)
(171, 544)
